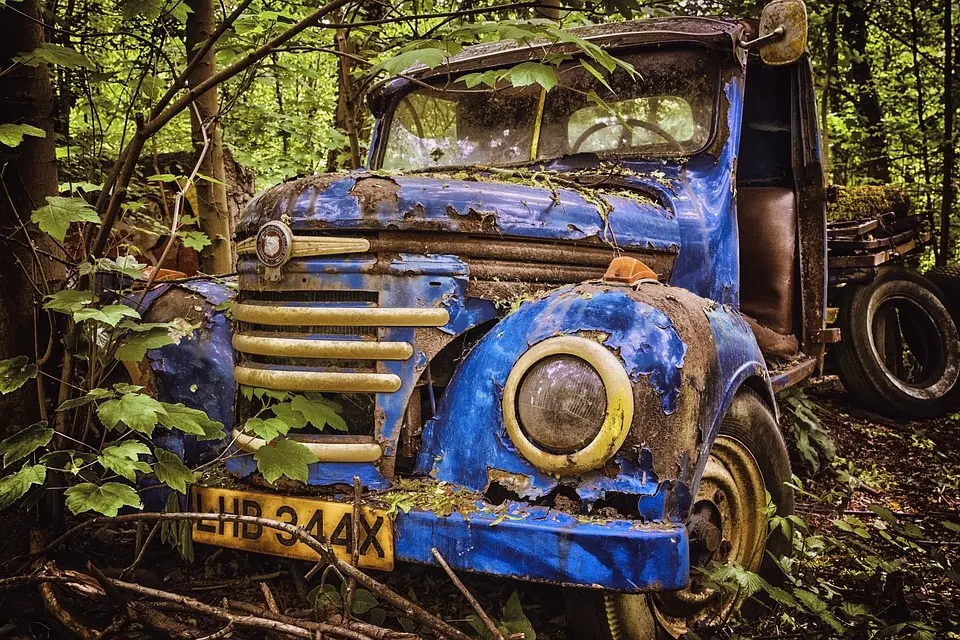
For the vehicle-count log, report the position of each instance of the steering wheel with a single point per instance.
(631, 122)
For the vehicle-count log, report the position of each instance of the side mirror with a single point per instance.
(783, 32)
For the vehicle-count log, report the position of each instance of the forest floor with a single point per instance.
(882, 535)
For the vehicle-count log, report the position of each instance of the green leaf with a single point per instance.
(284, 458)
(127, 265)
(12, 135)
(69, 301)
(14, 373)
(363, 601)
(55, 217)
(55, 54)
(192, 421)
(67, 459)
(513, 620)
(136, 410)
(163, 177)
(148, 10)
(24, 442)
(429, 58)
(527, 73)
(290, 416)
(111, 314)
(196, 240)
(319, 411)
(267, 429)
(596, 74)
(15, 486)
(123, 459)
(171, 471)
(107, 499)
(136, 345)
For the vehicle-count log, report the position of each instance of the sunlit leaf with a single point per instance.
(111, 314)
(55, 54)
(284, 458)
(196, 240)
(267, 429)
(124, 459)
(55, 217)
(192, 421)
(107, 499)
(136, 410)
(12, 135)
(171, 471)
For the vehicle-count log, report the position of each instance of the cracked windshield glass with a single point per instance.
(664, 109)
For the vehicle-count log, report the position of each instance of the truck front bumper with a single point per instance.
(545, 545)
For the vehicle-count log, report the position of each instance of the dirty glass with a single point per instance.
(666, 109)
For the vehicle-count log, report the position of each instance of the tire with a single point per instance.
(947, 279)
(749, 427)
(899, 353)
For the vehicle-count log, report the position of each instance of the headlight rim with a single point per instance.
(619, 413)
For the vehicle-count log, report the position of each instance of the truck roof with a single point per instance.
(713, 32)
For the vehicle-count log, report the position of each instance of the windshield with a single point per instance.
(665, 110)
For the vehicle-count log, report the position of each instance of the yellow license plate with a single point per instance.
(330, 521)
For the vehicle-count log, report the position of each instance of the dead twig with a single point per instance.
(142, 551)
(355, 550)
(53, 605)
(223, 633)
(382, 591)
(268, 596)
(369, 630)
(491, 626)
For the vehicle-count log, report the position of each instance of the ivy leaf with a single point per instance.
(14, 373)
(106, 499)
(527, 73)
(15, 486)
(123, 459)
(55, 217)
(429, 58)
(24, 442)
(267, 429)
(69, 301)
(290, 416)
(111, 314)
(136, 345)
(319, 411)
(192, 421)
(12, 135)
(196, 240)
(136, 410)
(55, 54)
(171, 471)
(284, 458)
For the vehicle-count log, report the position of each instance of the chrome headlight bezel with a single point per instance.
(619, 409)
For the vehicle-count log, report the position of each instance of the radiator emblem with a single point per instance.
(274, 244)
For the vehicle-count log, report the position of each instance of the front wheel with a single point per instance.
(727, 525)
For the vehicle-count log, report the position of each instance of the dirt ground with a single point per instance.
(910, 468)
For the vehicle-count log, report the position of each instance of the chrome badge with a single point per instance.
(274, 244)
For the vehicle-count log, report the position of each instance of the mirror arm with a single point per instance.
(776, 34)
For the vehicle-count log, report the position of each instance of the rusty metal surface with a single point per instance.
(792, 375)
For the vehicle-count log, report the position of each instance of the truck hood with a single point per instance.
(535, 208)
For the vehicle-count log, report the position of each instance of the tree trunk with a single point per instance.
(867, 103)
(213, 210)
(831, 67)
(29, 174)
(946, 207)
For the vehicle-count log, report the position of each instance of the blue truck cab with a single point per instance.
(531, 327)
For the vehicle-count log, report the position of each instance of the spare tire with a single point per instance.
(899, 353)
(947, 279)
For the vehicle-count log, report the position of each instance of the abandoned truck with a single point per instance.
(532, 327)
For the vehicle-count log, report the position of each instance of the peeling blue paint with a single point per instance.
(535, 543)
(647, 343)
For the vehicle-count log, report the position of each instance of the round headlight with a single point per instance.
(561, 404)
(568, 405)
(274, 243)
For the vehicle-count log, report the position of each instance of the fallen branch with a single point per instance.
(368, 630)
(53, 605)
(469, 596)
(379, 589)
